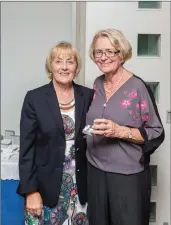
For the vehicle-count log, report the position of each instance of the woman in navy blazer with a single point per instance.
(52, 162)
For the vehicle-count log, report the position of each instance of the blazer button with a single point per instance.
(77, 149)
(78, 170)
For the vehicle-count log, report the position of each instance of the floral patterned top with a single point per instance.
(132, 105)
(68, 210)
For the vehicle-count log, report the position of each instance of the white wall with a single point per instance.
(126, 17)
(28, 31)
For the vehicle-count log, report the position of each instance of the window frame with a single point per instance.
(158, 46)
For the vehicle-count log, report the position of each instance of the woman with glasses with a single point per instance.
(53, 164)
(126, 130)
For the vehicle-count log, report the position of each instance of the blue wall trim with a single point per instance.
(12, 205)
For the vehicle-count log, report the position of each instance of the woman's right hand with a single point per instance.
(34, 204)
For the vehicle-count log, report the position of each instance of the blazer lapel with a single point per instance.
(79, 106)
(53, 104)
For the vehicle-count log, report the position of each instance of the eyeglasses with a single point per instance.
(98, 53)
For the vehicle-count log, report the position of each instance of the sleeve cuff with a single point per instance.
(143, 133)
(26, 189)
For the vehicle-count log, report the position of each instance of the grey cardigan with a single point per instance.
(132, 105)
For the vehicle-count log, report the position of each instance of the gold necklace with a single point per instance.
(67, 106)
(110, 91)
(66, 103)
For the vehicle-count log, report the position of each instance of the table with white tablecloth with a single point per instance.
(12, 211)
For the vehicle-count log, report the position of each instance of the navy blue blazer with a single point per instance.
(42, 143)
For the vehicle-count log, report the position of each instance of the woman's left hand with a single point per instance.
(108, 128)
(104, 127)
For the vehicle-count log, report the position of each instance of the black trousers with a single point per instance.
(117, 199)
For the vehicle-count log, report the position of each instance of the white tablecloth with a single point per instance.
(9, 167)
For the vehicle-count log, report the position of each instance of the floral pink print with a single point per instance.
(131, 112)
(137, 105)
(133, 104)
(143, 105)
(126, 103)
(94, 87)
(133, 94)
(145, 117)
(94, 97)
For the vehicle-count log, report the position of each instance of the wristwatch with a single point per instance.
(129, 133)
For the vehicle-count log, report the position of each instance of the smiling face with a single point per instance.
(63, 68)
(110, 60)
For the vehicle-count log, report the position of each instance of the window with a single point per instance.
(153, 212)
(148, 44)
(149, 5)
(168, 116)
(153, 172)
(154, 86)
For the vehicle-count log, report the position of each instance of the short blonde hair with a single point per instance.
(62, 49)
(118, 41)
